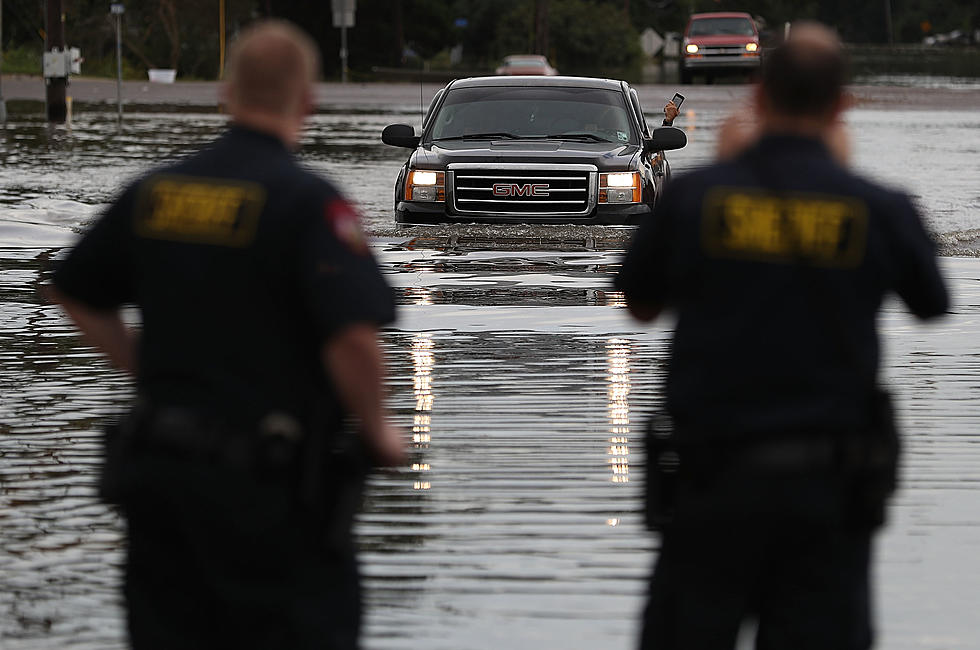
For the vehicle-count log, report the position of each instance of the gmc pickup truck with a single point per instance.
(532, 149)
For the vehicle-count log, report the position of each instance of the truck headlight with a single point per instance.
(619, 187)
(422, 185)
(691, 48)
(751, 47)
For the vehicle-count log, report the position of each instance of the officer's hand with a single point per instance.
(388, 446)
(670, 111)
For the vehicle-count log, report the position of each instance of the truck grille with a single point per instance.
(726, 50)
(523, 189)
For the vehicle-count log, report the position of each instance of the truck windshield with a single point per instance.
(584, 114)
(717, 26)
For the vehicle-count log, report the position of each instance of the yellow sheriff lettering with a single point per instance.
(212, 212)
(818, 226)
(750, 224)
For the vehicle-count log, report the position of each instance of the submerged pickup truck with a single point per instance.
(532, 149)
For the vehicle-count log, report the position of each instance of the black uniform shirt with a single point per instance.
(776, 264)
(242, 264)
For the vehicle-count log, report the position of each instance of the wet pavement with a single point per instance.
(516, 372)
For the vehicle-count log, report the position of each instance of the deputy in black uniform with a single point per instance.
(782, 449)
(260, 304)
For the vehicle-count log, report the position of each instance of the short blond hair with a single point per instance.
(270, 67)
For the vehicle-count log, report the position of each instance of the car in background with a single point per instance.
(569, 150)
(719, 42)
(521, 64)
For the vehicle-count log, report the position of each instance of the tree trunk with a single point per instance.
(541, 27)
(167, 12)
(133, 47)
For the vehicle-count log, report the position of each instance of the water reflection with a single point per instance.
(89, 162)
(618, 391)
(534, 537)
(615, 298)
(420, 296)
(423, 361)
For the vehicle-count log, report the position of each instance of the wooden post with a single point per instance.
(3, 104)
(56, 87)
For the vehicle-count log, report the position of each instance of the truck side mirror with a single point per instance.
(665, 138)
(400, 135)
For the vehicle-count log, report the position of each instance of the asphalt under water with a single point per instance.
(521, 379)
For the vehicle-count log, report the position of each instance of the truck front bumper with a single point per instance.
(409, 213)
(722, 61)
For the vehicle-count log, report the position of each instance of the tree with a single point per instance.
(587, 36)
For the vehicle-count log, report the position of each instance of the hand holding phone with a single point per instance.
(678, 99)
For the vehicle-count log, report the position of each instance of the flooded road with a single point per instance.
(519, 377)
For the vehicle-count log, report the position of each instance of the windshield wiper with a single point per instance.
(591, 137)
(481, 136)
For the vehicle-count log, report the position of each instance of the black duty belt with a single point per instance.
(188, 434)
(788, 454)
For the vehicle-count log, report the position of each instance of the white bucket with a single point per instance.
(162, 75)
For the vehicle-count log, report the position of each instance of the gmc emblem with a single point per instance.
(517, 189)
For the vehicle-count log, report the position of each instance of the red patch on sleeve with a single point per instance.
(346, 225)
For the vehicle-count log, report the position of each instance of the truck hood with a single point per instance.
(604, 155)
(722, 39)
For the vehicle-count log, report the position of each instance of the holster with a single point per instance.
(866, 462)
(335, 485)
(112, 483)
(869, 465)
(663, 468)
(326, 471)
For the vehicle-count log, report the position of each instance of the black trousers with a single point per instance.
(765, 547)
(219, 559)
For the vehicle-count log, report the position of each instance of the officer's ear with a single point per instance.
(307, 104)
(225, 101)
(843, 102)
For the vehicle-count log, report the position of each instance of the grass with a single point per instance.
(22, 60)
(26, 60)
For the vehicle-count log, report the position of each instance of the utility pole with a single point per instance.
(3, 104)
(541, 27)
(343, 17)
(888, 21)
(221, 39)
(117, 9)
(54, 39)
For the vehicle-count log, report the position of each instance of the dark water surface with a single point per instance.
(521, 380)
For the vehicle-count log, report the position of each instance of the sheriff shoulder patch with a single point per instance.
(346, 225)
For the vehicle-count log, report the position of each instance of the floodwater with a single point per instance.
(516, 372)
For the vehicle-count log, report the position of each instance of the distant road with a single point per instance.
(401, 94)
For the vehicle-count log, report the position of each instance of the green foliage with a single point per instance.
(106, 67)
(582, 36)
(181, 34)
(590, 36)
(24, 59)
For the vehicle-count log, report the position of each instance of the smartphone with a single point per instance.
(678, 99)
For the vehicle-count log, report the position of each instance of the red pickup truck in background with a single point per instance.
(717, 43)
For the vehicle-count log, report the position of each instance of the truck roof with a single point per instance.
(537, 82)
(722, 14)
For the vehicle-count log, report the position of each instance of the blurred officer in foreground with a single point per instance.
(770, 471)
(260, 304)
